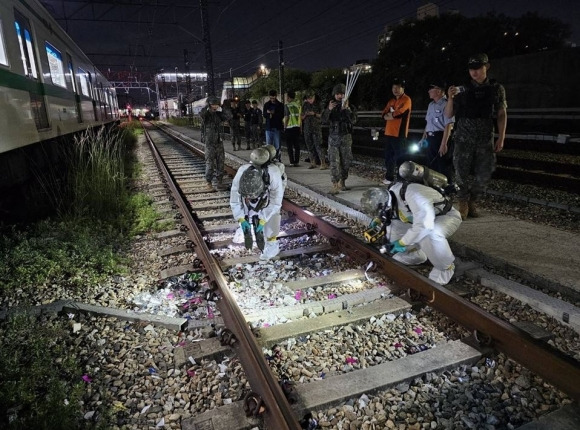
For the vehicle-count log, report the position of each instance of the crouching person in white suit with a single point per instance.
(420, 219)
(256, 199)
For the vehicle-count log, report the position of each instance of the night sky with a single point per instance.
(315, 33)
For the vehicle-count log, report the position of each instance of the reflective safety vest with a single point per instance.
(293, 114)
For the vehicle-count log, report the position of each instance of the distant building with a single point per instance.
(364, 66)
(427, 10)
(384, 38)
(177, 90)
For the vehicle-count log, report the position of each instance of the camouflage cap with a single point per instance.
(213, 100)
(477, 60)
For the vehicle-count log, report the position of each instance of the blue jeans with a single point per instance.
(273, 138)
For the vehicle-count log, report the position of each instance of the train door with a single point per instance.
(93, 96)
(30, 62)
(73, 80)
(104, 102)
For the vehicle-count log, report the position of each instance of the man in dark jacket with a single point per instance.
(274, 114)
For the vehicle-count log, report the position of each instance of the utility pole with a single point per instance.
(187, 75)
(281, 71)
(164, 96)
(207, 43)
(188, 96)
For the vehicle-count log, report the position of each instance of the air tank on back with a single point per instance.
(414, 172)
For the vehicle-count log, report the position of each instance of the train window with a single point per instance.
(83, 81)
(55, 65)
(26, 46)
(3, 59)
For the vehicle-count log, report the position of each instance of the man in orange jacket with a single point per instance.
(397, 114)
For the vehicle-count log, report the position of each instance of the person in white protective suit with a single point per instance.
(255, 199)
(421, 219)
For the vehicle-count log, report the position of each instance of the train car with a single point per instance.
(49, 90)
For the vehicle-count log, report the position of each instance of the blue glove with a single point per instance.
(246, 227)
(397, 247)
(260, 226)
(423, 143)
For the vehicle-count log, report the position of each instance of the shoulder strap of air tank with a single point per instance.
(266, 173)
(402, 192)
(446, 202)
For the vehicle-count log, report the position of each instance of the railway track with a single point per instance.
(518, 168)
(287, 319)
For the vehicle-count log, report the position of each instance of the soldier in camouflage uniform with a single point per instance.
(311, 114)
(214, 146)
(474, 106)
(235, 124)
(248, 123)
(256, 124)
(340, 119)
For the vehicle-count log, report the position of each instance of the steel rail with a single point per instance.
(552, 365)
(278, 413)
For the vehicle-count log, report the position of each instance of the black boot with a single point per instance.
(248, 239)
(260, 239)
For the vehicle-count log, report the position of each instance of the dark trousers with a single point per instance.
(293, 144)
(442, 164)
(393, 148)
(248, 130)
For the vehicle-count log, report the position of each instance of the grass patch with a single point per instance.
(145, 217)
(72, 252)
(182, 121)
(135, 128)
(41, 384)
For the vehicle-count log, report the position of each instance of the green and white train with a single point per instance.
(49, 90)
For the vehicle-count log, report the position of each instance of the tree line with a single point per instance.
(435, 48)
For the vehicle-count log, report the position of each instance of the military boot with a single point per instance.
(335, 188)
(472, 209)
(343, 186)
(220, 185)
(312, 164)
(463, 208)
(323, 165)
(209, 187)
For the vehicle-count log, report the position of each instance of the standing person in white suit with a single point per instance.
(418, 218)
(255, 199)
